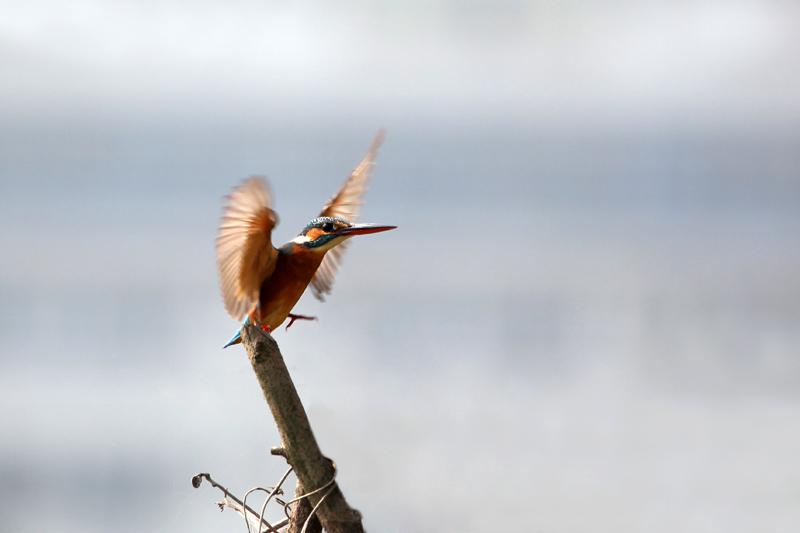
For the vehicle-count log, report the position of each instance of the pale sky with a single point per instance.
(706, 62)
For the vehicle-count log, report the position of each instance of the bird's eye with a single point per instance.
(327, 227)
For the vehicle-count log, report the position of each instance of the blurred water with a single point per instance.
(566, 332)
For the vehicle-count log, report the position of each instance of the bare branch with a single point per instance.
(299, 445)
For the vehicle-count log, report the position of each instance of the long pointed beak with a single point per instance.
(363, 229)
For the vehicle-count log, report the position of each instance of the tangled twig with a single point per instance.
(229, 500)
(257, 519)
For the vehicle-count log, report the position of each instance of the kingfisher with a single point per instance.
(261, 283)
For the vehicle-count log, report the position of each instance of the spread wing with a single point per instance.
(346, 204)
(245, 254)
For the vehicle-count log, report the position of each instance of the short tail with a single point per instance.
(236, 339)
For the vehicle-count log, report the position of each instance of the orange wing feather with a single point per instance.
(245, 254)
(346, 204)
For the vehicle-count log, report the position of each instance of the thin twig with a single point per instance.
(260, 518)
(237, 504)
(277, 488)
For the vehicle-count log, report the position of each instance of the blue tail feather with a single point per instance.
(236, 339)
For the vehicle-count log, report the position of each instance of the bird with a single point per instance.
(261, 283)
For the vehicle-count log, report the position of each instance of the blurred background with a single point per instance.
(588, 319)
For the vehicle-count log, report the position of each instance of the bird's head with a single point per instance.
(323, 233)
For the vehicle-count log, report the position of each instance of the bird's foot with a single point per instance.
(298, 317)
(258, 323)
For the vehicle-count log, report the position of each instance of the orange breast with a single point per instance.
(279, 294)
